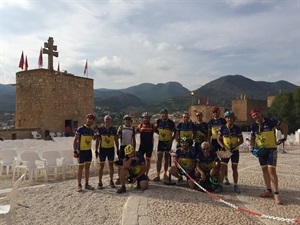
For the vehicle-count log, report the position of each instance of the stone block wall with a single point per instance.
(45, 99)
(270, 100)
(242, 108)
(12, 134)
(206, 111)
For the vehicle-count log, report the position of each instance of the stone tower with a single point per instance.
(49, 101)
(242, 108)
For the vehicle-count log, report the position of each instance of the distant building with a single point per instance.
(270, 100)
(242, 108)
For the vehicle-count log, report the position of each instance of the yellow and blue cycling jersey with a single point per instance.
(230, 135)
(201, 132)
(265, 133)
(165, 129)
(206, 163)
(135, 167)
(214, 126)
(187, 159)
(86, 136)
(186, 130)
(107, 137)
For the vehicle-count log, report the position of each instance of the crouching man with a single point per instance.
(208, 166)
(134, 169)
(184, 157)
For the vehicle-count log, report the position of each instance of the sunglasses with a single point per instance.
(205, 149)
(215, 111)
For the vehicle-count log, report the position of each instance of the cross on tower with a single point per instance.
(50, 49)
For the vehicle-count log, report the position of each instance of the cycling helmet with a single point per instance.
(90, 116)
(126, 117)
(214, 180)
(229, 114)
(129, 149)
(146, 114)
(184, 140)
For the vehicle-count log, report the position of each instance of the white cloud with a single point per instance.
(241, 3)
(158, 63)
(131, 42)
(25, 4)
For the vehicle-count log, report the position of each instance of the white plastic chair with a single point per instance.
(36, 135)
(54, 160)
(8, 210)
(7, 156)
(30, 161)
(69, 161)
(52, 135)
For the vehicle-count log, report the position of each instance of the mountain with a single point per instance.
(7, 98)
(120, 102)
(147, 91)
(103, 92)
(222, 90)
(170, 95)
(141, 95)
(157, 93)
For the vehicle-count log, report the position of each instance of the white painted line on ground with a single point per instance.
(130, 212)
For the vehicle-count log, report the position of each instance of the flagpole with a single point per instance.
(58, 68)
(26, 63)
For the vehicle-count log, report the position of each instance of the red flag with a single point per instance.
(40, 62)
(26, 63)
(21, 63)
(85, 69)
(205, 100)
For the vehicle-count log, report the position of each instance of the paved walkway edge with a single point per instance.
(130, 212)
(135, 211)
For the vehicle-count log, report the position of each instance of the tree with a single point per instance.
(286, 107)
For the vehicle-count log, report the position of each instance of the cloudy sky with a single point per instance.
(155, 41)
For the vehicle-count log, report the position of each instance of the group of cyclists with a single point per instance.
(203, 150)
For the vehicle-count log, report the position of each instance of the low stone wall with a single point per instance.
(12, 134)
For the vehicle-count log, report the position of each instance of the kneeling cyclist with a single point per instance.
(208, 166)
(134, 169)
(186, 158)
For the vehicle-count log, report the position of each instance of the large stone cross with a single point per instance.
(50, 49)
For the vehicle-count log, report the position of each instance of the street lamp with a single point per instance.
(192, 94)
